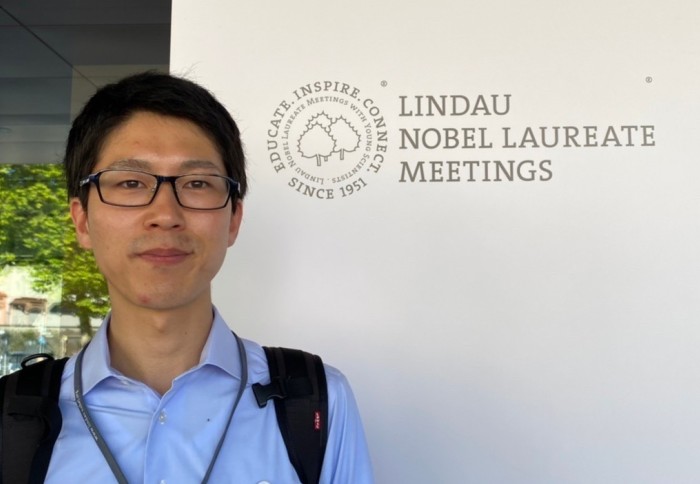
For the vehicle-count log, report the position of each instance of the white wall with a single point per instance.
(515, 332)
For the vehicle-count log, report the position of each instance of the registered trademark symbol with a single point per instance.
(384, 83)
(649, 79)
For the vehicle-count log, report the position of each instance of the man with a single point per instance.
(162, 394)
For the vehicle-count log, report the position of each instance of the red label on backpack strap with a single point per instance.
(317, 420)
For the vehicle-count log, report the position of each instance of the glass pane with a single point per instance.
(51, 295)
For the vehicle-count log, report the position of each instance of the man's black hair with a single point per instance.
(157, 93)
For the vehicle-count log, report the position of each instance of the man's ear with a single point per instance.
(80, 220)
(236, 218)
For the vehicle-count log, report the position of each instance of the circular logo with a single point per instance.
(327, 139)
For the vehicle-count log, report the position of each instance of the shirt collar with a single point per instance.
(220, 350)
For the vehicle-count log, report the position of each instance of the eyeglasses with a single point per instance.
(131, 188)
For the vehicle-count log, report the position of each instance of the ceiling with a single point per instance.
(55, 53)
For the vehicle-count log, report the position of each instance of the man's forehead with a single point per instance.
(151, 141)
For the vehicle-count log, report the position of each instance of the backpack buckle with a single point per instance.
(274, 389)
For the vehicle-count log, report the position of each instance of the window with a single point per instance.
(62, 51)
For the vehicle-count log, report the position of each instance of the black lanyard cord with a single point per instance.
(100, 441)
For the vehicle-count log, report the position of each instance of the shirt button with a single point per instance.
(162, 418)
(264, 482)
(162, 481)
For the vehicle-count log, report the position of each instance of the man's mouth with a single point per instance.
(164, 255)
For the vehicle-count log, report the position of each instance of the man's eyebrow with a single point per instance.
(130, 163)
(193, 164)
(138, 164)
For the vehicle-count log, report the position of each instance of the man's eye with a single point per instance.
(197, 184)
(132, 184)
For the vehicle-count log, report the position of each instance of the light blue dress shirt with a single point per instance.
(171, 439)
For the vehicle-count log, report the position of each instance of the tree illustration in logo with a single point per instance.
(324, 136)
(345, 136)
(317, 143)
(322, 119)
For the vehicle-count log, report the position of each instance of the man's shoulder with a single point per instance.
(337, 383)
(257, 363)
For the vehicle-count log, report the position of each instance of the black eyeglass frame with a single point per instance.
(234, 188)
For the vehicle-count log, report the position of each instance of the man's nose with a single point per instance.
(165, 210)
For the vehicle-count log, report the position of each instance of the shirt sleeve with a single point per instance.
(347, 459)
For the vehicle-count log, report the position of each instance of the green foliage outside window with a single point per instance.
(36, 232)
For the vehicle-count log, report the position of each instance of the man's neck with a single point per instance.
(156, 346)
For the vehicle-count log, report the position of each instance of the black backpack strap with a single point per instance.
(298, 385)
(31, 421)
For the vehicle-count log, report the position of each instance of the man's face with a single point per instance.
(161, 256)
